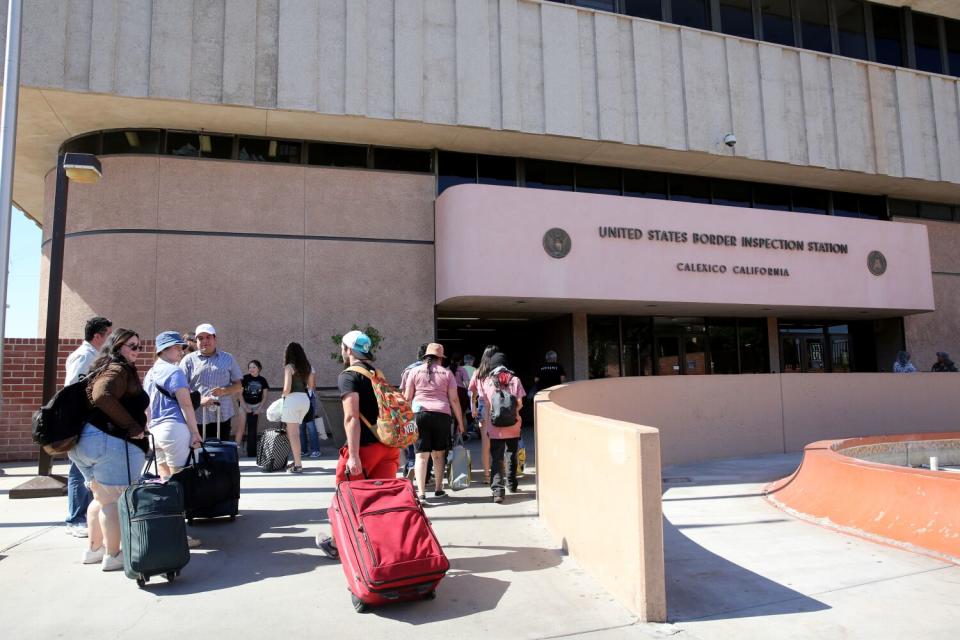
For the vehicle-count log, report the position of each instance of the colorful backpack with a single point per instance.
(395, 422)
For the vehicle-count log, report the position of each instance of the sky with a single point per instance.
(23, 284)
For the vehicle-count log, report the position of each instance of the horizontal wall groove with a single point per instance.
(239, 234)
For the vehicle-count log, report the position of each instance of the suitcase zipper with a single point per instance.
(180, 515)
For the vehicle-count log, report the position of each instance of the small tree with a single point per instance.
(376, 340)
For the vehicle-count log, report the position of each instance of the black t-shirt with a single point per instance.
(549, 375)
(253, 388)
(353, 382)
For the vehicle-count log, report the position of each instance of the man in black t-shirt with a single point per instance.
(551, 373)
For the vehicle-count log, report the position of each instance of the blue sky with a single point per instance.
(23, 285)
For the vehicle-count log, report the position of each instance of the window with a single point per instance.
(220, 147)
(603, 344)
(649, 9)
(873, 207)
(810, 201)
(265, 150)
(84, 144)
(690, 13)
(637, 351)
(139, 141)
(952, 27)
(903, 208)
(497, 170)
(846, 205)
(926, 38)
(771, 196)
(689, 189)
(723, 346)
(888, 34)
(454, 169)
(851, 28)
(181, 143)
(754, 356)
(592, 179)
(542, 174)
(815, 25)
(602, 5)
(641, 184)
(777, 21)
(402, 159)
(736, 18)
(732, 193)
(933, 211)
(336, 155)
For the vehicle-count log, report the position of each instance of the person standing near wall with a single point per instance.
(943, 364)
(216, 375)
(253, 401)
(903, 364)
(95, 333)
(297, 378)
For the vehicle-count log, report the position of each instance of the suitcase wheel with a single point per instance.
(358, 605)
(142, 581)
(430, 595)
(171, 575)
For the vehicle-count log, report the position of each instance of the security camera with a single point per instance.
(730, 140)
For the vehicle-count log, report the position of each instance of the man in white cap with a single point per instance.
(216, 375)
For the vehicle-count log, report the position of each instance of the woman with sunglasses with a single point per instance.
(112, 447)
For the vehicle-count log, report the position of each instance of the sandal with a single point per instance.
(297, 468)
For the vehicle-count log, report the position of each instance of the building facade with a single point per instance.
(648, 187)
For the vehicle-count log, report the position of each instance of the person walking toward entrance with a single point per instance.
(298, 376)
(551, 373)
(503, 397)
(433, 389)
(477, 406)
(216, 376)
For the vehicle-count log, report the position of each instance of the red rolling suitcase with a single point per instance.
(387, 547)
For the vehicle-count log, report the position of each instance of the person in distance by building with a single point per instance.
(504, 440)
(943, 364)
(903, 364)
(215, 374)
(95, 333)
(410, 453)
(253, 402)
(551, 373)
(477, 406)
(298, 377)
(191, 340)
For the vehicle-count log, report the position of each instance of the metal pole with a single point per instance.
(8, 143)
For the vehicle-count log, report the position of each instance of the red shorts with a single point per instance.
(379, 462)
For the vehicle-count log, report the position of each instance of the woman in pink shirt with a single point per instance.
(433, 390)
(495, 388)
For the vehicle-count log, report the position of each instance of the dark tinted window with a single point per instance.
(650, 9)
(603, 5)
(541, 174)
(83, 144)
(603, 345)
(336, 155)
(139, 141)
(497, 170)
(810, 201)
(598, 180)
(953, 45)
(754, 357)
(815, 25)
(183, 144)
(642, 184)
(689, 189)
(736, 18)
(887, 32)
(933, 211)
(873, 207)
(723, 346)
(221, 147)
(637, 349)
(264, 150)
(402, 159)
(691, 13)
(926, 36)
(732, 193)
(777, 21)
(846, 205)
(904, 208)
(850, 25)
(455, 168)
(771, 196)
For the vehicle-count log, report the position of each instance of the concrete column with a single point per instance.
(773, 344)
(581, 365)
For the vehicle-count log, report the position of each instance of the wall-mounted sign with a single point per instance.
(877, 263)
(557, 243)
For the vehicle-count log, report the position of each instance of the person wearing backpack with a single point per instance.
(477, 406)
(364, 456)
(502, 395)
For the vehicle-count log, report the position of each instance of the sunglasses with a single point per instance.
(134, 347)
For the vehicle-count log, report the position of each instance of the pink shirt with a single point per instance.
(431, 394)
(487, 388)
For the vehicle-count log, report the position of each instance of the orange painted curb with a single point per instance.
(900, 505)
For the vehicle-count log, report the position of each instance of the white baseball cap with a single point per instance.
(205, 328)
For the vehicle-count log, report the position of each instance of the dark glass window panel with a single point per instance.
(851, 28)
(183, 144)
(732, 193)
(603, 344)
(695, 354)
(953, 45)
(846, 205)
(642, 184)
(935, 211)
(83, 144)
(667, 354)
(790, 353)
(602, 5)
(689, 189)
(771, 196)
(402, 159)
(905, 208)
(754, 355)
(691, 13)
(454, 169)
(649, 9)
(777, 21)
(637, 346)
(140, 141)
(497, 170)
(591, 179)
(873, 207)
(220, 147)
(723, 346)
(336, 155)
(263, 150)
(926, 38)
(541, 174)
(888, 34)
(810, 201)
(815, 25)
(736, 18)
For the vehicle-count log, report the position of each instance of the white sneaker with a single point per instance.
(193, 542)
(78, 530)
(94, 556)
(112, 563)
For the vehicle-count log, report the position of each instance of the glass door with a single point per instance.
(667, 349)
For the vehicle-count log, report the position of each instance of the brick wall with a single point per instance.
(22, 388)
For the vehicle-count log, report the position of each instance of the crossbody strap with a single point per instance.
(369, 376)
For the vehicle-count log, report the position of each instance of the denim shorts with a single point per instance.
(104, 458)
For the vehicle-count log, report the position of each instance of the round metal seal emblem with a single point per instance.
(557, 243)
(877, 263)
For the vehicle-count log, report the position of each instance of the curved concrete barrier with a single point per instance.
(898, 505)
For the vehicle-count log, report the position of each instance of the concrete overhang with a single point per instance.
(946, 8)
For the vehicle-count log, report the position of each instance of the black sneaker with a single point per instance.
(328, 547)
(439, 494)
(514, 489)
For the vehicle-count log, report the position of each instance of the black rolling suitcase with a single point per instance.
(212, 480)
(153, 536)
(273, 450)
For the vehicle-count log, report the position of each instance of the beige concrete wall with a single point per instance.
(617, 536)
(260, 292)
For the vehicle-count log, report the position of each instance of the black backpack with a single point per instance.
(503, 406)
(57, 424)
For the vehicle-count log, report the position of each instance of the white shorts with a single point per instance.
(172, 443)
(295, 407)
